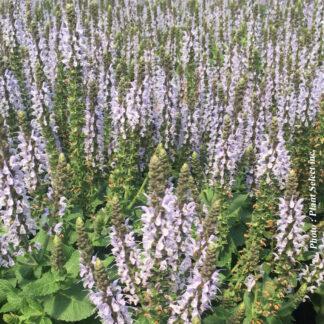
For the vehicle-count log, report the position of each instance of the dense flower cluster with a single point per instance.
(113, 312)
(290, 237)
(180, 84)
(176, 255)
(314, 274)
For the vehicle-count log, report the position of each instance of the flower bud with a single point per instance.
(100, 276)
(239, 93)
(93, 92)
(61, 177)
(196, 320)
(250, 154)
(117, 218)
(164, 162)
(227, 127)
(110, 16)
(210, 221)
(40, 76)
(196, 168)
(99, 224)
(83, 241)
(158, 172)
(141, 70)
(195, 193)
(221, 94)
(299, 296)
(11, 318)
(254, 255)
(71, 16)
(210, 261)
(228, 299)
(238, 316)
(291, 185)
(274, 129)
(3, 140)
(183, 188)
(94, 12)
(23, 122)
(57, 257)
(123, 84)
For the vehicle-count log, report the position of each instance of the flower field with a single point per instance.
(161, 161)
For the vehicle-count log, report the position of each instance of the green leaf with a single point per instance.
(72, 265)
(306, 256)
(207, 196)
(247, 320)
(38, 271)
(108, 261)
(273, 320)
(40, 237)
(266, 267)
(307, 227)
(46, 285)
(237, 234)
(222, 313)
(12, 281)
(286, 310)
(69, 305)
(317, 302)
(142, 320)
(248, 301)
(40, 320)
(5, 288)
(72, 238)
(320, 290)
(68, 251)
(59, 277)
(75, 213)
(33, 308)
(15, 303)
(16, 300)
(99, 241)
(96, 202)
(225, 257)
(23, 274)
(245, 215)
(7, 307)
(236, 203)
(219, 316)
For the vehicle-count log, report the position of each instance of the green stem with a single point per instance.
(30, 254)
(138, 193)
(34, 259)
(255, 299)
(44, 247)
(238, 283)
